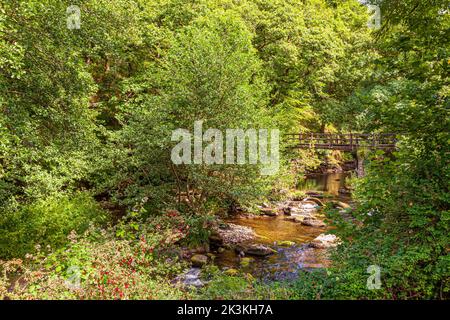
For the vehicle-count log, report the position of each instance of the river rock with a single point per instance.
(340, 204)
(269, 212)
(311, 222)
(325, 241)
(295, 218)
(308, 205)
(345, 191)
(215, 238)
(304, 208)
(286, 243)
(292, 203)
(199, 260)
(246, 261)
(316, 200)
(255, 250)
(303, 212)
(234, 234)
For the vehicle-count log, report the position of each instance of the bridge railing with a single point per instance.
(342, 141)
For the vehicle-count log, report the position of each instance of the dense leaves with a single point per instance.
(87, 115)
(403, 201)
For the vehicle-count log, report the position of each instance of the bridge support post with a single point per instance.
(359, 165)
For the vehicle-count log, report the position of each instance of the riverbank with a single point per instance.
(260, 251)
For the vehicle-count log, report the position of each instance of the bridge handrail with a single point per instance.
(344, 141)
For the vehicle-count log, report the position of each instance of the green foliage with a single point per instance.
(199, 229)
(50, 80)
(316, 284)
(98, 265)
(403, 227)
(224, 287)
(91, 112)
(210, 73)
(78, 106)
(403, 204)
(46, 222)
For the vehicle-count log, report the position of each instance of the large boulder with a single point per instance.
(304, 208)
(308, 205)
(199, 260)
(233, 234)
(325, 241)
(303, 212)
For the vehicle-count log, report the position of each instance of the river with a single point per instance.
(286, 263)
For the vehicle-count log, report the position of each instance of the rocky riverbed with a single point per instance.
(275, 244)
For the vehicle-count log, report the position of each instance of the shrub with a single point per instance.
(46, 222)
(316, 284)
(99, 265)
(227, 287)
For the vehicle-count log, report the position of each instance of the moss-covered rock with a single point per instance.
(246, 261)
(199, 260)
(286, 243)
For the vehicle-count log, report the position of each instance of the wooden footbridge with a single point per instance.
(342, 141)
(345, 142)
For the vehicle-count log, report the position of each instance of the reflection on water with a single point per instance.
(286, 263)
(329, 183)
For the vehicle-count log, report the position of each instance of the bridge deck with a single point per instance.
(342, 141)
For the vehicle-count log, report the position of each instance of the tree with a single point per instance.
(210, 74)
(403, 201)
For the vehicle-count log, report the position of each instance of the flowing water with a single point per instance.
(286, 263)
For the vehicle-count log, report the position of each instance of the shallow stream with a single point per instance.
(286, 263)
